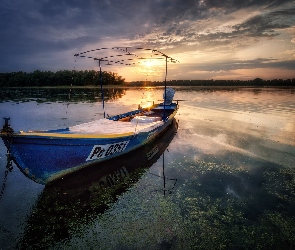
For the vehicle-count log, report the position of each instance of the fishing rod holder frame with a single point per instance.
(6, 127)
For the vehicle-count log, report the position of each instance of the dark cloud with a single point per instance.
(261, 26)
(233, 5)
(183, 23)
(41, 28)
(251, 30)
(236, 64)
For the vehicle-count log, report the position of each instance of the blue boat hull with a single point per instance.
(89, 192)
(46, 158)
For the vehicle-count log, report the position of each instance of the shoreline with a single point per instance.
(148, 86)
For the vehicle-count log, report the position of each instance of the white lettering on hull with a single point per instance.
(102, 151)
(151, 154)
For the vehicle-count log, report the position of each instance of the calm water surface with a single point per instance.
(228, 179)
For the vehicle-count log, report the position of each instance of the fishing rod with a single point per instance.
(130, 58)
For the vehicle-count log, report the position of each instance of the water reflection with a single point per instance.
(261, 100)
(78, 198)
(257, 122)
(41, 95)
(233, 157)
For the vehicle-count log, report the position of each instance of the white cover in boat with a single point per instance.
(106, 126)
(169, 95)
(145, 119)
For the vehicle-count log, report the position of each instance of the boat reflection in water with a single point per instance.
(80, 196)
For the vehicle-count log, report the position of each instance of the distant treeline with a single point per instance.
(60, 78)
(254, 82)
(92, 78)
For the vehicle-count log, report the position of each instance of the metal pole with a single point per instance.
(164, 117)
(101, 90)
(164, 178)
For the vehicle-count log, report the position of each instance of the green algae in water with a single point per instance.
(219, 207)
(225, 207)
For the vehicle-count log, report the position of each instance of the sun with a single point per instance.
(148, 63)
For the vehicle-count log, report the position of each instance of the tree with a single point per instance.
(62, 77)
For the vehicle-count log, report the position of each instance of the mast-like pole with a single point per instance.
(101, 90)
(164, 117)
(164, 178)
(125, 49)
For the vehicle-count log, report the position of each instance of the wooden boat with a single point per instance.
(81, 196)
(44, 156)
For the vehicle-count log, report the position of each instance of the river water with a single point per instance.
(225, 180)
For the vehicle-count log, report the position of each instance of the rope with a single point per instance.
(9, 168)
(4, 183)
(9, 131)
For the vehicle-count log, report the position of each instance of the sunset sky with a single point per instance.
(212, 39)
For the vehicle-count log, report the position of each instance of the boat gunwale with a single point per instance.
(58, 175)
(71, 135)
(66, 134)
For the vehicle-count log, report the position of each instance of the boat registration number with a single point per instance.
(102, 151)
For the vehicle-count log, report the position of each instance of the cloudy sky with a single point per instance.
(212, 39)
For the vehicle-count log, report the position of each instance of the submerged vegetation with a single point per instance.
(220, 207)
(228, 207)
(60, 78)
